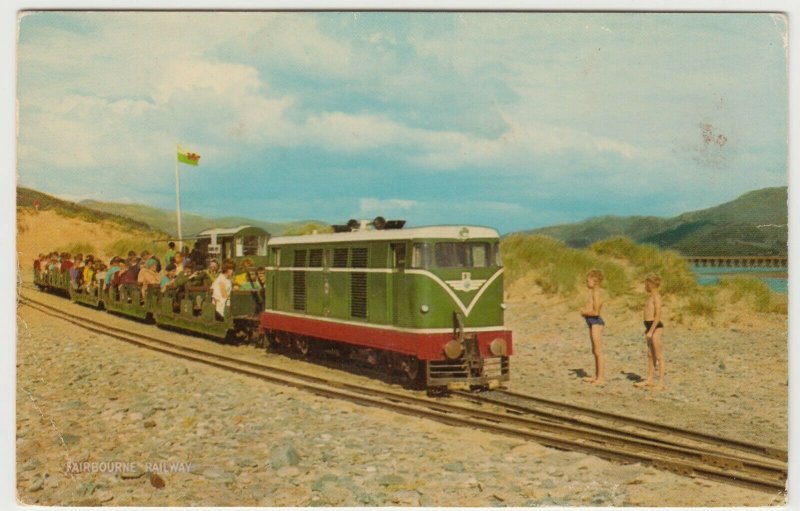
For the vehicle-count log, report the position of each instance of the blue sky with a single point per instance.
(503, 119)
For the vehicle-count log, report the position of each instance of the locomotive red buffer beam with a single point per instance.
(482, 358)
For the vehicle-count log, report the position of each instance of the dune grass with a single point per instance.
(702, 303)
(26, 198)
(123, 246)
(676, 276)
(559, 268)
(754, 291)
(79, 247)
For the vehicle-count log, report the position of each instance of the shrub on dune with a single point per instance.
(79, 247)
(702, 303)
(758, 293)
(559, 269)
(676, 276)
(123, 246)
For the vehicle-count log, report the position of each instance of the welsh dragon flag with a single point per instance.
(188, 157)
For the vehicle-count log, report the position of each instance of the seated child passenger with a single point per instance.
(148, 276)
(241, 278)
(168, 279)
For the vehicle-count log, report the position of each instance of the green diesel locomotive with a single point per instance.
(427, 301)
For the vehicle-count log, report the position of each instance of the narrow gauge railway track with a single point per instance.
(766, 476)
(524, 404)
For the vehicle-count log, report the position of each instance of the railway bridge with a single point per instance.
(738, 261)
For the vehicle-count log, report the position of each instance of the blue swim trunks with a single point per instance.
(594, 320)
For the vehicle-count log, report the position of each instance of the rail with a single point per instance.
(760, 468)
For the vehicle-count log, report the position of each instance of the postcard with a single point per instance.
(402, 258)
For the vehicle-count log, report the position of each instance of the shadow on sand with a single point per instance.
(632, 377)
(579, 373)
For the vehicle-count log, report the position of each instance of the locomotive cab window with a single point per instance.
(462, 255)
(276, 256)
(251, 245)
(421, 256)
(398, 255)
(498, 258)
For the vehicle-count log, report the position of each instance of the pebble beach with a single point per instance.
(186, 434)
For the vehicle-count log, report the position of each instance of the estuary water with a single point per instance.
(776, 278)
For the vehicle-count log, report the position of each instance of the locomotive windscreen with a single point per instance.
(462, 255)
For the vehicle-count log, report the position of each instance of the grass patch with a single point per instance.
(27, 197)
(559, 269)
(702, 303)
(123, 246)
(752, 289)
(78, 247)
(780, 304)
(676, 276)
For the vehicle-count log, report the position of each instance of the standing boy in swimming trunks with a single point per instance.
(653, 330)
(591, 314)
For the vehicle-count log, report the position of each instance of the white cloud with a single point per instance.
(372, 206)
(521, 144)
(220, 79)
(337, 131)
(518, 95)
(231, 103)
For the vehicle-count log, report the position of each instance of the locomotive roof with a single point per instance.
(442, 231)
(229, 231)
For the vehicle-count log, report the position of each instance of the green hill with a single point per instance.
(164, 220)
(754, 224)
(28, 198)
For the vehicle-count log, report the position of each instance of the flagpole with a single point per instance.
(178, 198)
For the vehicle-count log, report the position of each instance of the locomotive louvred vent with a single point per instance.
(299, 281)
(299, 258)
(358, 284)
(358, 295)
(359, 258)
(315, 258)
(299, 290)
(339, 257)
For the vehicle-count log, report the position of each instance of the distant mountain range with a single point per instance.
(164, 220)
(754, 224)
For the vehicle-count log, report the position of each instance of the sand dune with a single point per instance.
(44, 231)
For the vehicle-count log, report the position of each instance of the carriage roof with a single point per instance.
(229, 232)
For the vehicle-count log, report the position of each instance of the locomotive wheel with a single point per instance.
(282, 341)
(344, 351)
(303, 345)
(260, 340)
(412, 370)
